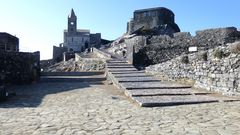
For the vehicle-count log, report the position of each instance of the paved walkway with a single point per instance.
(94, 108)
(148, 91)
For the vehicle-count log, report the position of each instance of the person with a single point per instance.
(124, 53)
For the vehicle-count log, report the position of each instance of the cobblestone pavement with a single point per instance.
(84, 108)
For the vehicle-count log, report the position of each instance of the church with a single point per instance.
(75, 40)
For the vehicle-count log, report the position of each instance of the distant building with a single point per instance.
(158, 20)
(8, 42)
(77, 40)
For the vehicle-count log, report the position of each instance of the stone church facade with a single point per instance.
(75, 40)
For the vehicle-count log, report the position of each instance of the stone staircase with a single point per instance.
(148, 91)
(91, 76)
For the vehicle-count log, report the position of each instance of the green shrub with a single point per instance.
(204, 56)
(218, 54)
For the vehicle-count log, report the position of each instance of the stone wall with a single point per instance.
(19, 67)
(8, 42)
(58, 53)
(158, 20)
(211, 38)
(214, 74)
(95, 40)
(101, 54)
(162, 48)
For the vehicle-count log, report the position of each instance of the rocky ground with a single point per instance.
(89, 62)
(76, 66)
(94, 108)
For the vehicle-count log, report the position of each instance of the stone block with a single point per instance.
(213, 75)
(231, 84)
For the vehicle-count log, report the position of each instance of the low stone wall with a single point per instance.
(101, 54)
(215, 74)
(19, 67)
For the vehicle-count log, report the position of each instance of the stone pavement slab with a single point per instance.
(131, 74)
(138, 79)
(158, 92)
(151, 85)
(121, 66)
(122, 70)
(89, 108)
(149, 101)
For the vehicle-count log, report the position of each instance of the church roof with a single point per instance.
(80, 30)
(72, 14)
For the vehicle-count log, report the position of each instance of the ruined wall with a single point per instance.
(154, 20)
(8, 42)
(58, 53)
(95, 40)
(19, 67)
(211, 38)
(214, 73)
(158, 49)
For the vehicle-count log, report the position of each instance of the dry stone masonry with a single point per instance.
(162, 48)
(217, 69)
(19, 67)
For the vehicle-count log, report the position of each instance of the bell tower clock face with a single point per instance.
(72, 23)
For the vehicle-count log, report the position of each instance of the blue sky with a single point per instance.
(39, 24)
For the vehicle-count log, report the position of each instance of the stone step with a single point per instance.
(71, 79)
(112, 61)
(164, 92)
(138, 79)
(120, 67)
(130, 75)
(87, 73)
(119, 64)
(148, 91)
(153, 101)
(151, 85)
(121, 70)
(129, 72)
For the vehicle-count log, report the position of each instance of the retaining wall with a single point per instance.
(19, 67)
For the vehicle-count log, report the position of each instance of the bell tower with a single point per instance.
(72, 23)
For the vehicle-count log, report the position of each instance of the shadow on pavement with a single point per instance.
(32, 95)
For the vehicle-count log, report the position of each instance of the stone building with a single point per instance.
(8, 42)
(58, 52)
(77, 40)
(158, 20)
